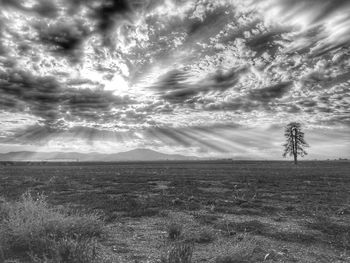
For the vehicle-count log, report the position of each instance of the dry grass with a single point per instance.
(32, 231)
(338, 234)
(205, 235)
(232, 228)
(180, 252)
(174, 231)
(245, 251)
(269, 201)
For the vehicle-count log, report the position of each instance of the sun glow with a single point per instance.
(118, 85)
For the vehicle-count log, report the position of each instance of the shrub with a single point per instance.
(179, 253)
(33, 231)
(174, 231)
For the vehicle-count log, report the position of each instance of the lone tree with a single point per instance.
(296, 143)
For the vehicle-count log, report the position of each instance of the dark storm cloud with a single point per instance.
(266, 42)
(46, 98)
(176, 87)
(224, 80)
(173, 80)
(46, 9)
(21, 89)
(318, 80)
(12, 3)
(257, 99)
(64, 38)
(112, 13)
(268, 94)
(100, 17)
(173, 86)
(108, 11)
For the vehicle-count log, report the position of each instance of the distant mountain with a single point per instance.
(133, 155)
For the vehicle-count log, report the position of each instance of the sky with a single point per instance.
(206, 78)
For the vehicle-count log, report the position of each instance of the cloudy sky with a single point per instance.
(208, 78)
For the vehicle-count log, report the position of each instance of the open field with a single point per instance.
(244, 211)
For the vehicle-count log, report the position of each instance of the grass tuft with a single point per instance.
(180, 252)
(174, 231)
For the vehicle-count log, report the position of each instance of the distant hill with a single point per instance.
(133, 155)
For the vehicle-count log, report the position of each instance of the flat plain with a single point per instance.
(231, 211)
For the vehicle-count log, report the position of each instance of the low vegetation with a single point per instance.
(204, 236)
(32, 231)
(180, 252)
(336, 233)
(245, 251)
(174, 231)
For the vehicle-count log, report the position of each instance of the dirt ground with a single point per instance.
(245, 211)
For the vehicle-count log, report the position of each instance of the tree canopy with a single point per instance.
(295, 143)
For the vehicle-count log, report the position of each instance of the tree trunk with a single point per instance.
(295, 159)
(295, 148)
